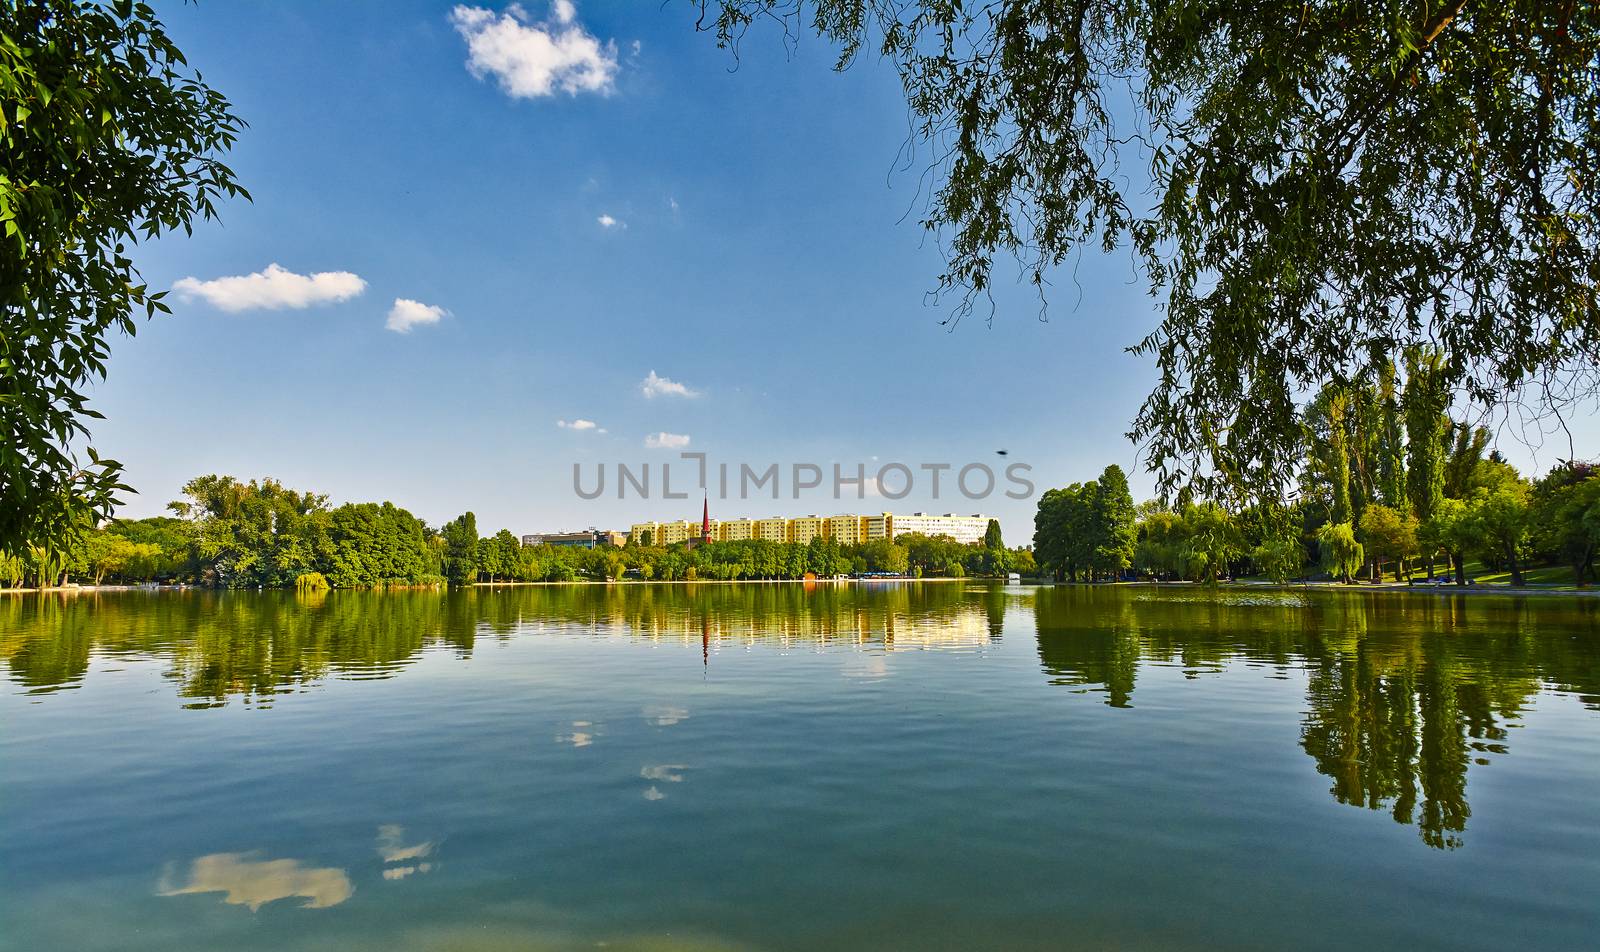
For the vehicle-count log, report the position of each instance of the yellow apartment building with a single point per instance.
(734, 530)
(847, 530)
(664, 533)
(844, 529)
(805, 528)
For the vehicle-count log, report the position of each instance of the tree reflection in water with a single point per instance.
(1403, 693)
(221, 645)
(256, 645)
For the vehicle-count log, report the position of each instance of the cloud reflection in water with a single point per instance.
(246, 881)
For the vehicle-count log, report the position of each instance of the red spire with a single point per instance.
(705, 520)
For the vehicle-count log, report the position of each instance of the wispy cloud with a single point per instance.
(666, 441)
(273, 289)
(606, 221)
(580, 425)
(531, 58)
(656, 386)
(407, 314)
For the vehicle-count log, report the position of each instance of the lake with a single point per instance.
(781, 766)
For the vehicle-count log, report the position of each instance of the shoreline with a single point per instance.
(1383, 587)
(744, 581)
(74, 589)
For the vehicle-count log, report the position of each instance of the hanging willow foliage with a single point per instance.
(1312, 188)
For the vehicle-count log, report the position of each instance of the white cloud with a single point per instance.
(637, 46)
(531, 59)
(606, 221)
(666, 441)
(407, 314)
(654, 386)
(672, 203)
(577, 425)
(273, 289)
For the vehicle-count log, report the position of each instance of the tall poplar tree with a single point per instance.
(1116, 521)
(1427, 427)
(1425, 399)
(1339, 510)
(461, 549)
(1461, 464)
(1392, 440)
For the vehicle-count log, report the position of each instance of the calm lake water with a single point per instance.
(896, 766)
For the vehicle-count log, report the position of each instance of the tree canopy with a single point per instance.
(107, 137)
(1311, 189)
(1089, 527)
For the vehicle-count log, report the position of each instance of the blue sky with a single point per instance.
(758, 252)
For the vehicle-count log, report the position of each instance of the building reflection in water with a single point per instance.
(1403, 694)
(888, 616)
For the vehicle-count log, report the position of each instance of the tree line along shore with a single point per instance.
(226, 533)
(1389, 486)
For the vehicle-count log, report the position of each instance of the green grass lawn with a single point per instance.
(1555, 576)
(1542, 576)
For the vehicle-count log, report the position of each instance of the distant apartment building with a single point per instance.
(966, 529)
(587, 539)
(844, 529)
(666, 533)
(805, 528)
